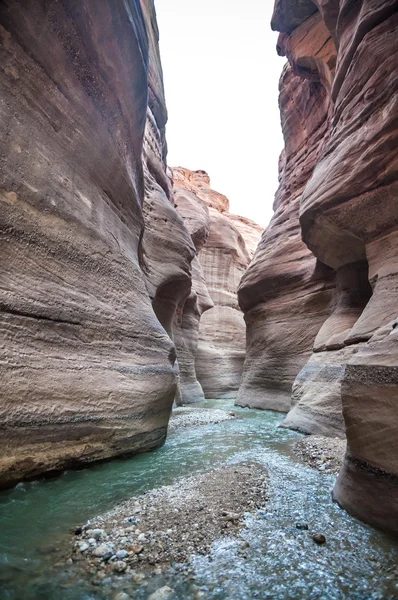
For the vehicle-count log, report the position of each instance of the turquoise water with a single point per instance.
(281, 563)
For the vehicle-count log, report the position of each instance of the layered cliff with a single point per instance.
(286, 293)
(346, 214)
(229, 245)
(87, 222)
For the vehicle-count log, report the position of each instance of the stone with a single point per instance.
(121, 596)
(119, 566)
(103, 551)
(229, 516)
(161, 594)
(302, 526)
(120, 554)
(319, 538)
(97, 534)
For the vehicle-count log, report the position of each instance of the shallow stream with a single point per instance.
(282, 562)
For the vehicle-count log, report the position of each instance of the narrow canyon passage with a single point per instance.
(192, 406)
(279, 561)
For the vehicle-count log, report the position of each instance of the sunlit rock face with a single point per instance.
(87, 369)
(196, 217)
(349, 220)
(223, 259)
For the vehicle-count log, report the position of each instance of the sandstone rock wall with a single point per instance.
(348, 218)
(197, 221)
(286, 293)
(223, 258)
(86, 223)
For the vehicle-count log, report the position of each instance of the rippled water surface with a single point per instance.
(282, 562)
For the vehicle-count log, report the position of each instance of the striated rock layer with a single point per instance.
(197, 221)
(230, 243)
(87, 369)
(286, 293)
(347, 216)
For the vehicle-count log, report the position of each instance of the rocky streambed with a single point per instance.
(171, 524)
(225, 510)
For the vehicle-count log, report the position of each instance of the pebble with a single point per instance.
(161, 594)
(319, 538)
(227, 516)
(83, 546)
(171, 532)
(103, 551)
(97, 534)
(303, 526)
(119, 566)
(121, 596)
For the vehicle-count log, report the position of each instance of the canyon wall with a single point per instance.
(95, 261)
(286, 293)
(346, 213)
(229, 245)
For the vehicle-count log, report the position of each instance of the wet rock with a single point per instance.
(121, 596)
(319, 538)
(77, 530)
(161, 594)
(303, 526)
(83, 546)
(173, 530)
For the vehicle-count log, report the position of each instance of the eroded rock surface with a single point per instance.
(285, 293)
(87, 370)
(223, 260)
(196, 217)
(347, 209)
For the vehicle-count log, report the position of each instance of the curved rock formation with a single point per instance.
(346, 159)
(197, 221)
(285, 293)
(87, 370)
(223, 258)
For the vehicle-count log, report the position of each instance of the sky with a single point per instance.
(221, 74)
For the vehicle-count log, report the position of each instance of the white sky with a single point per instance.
(221, 74)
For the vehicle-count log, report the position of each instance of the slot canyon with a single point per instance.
(192, 406)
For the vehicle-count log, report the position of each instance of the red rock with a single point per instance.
(285, 294)
(223, 259)
(349, 220)
(87, 370)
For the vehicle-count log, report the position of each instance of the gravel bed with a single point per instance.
(169, 525)
(320, 452)
(187, 416)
